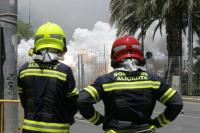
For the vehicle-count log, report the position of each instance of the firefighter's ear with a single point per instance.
(31, 52)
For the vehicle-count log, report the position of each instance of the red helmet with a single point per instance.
(126, 47)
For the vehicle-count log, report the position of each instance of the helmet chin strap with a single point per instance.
(47, 56)
(129, 65)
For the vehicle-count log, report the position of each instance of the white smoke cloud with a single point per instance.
(158, 45)
(93, 41)
(22, 51)
(84, 41)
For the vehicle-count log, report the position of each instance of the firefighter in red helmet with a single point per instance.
(129, 94)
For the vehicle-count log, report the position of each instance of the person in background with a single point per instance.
(46, 86)
(129, 94)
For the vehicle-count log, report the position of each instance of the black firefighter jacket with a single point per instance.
(129, 99)
(48, 95)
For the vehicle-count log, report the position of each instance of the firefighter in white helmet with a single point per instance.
(129, 94)
(46, 86)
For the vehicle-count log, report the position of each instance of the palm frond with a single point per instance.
(159, 25)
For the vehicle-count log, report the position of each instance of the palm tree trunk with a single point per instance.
(174, 41)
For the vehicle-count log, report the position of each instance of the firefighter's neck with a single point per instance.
(129, 65)
(46, 56)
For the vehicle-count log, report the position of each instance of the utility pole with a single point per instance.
(190, 47)
(2, 60)
(8, 22)
(81, 73)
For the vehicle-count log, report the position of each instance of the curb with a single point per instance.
(191, 99)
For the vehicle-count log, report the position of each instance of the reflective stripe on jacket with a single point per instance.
(46, 126)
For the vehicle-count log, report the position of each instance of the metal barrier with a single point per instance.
(5, 101)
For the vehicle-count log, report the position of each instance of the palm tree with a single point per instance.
(196, 54)
(132, 15)
(24, 31)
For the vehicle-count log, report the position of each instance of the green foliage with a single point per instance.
(131, 15)
(24, 30)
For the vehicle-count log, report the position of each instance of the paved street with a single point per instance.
(85, 127)
(189, 122)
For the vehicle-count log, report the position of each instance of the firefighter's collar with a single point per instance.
(47, 57)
